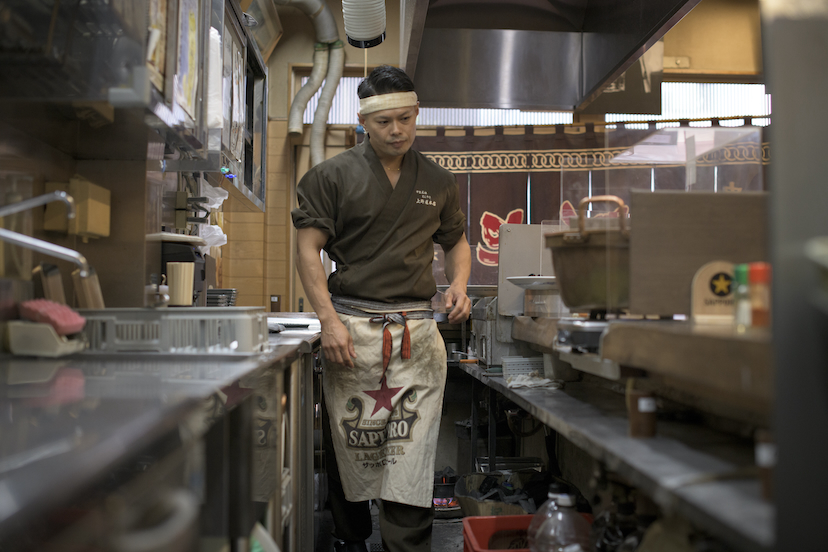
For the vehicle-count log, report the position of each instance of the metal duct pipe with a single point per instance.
(336, 65)
(300, 101)
(321, 16)
(332, 55)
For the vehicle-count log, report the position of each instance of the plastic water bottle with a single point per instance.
(545, 512)
(564, 531)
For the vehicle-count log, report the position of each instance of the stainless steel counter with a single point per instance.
(687, 469)
(67, 424)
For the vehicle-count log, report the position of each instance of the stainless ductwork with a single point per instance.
(300, 100)
(324, 24)
(336, 65)
(527, 54)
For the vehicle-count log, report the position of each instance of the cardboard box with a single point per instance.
(92, 209)
(674, 234)
(472, 506)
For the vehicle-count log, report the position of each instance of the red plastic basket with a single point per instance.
(477, 530)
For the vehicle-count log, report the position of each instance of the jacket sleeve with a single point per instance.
(317, 199)
(452, 219)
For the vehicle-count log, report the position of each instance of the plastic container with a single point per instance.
(641, 413)
(225, 330)
(515, 366)
(565, 531)
(39, 339)
(546, 511)
(479, 530)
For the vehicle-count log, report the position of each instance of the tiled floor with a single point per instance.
(447, 535)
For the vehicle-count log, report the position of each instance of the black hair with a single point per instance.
(385, 79)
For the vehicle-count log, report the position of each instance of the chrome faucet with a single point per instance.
(41, 246)
(33, 202)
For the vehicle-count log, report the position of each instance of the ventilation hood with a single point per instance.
(527, 54)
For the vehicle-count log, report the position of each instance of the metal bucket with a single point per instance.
(593, 265)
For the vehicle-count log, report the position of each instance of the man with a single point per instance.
(377, 209)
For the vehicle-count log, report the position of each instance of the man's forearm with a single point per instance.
(458, 264)
(312, 275)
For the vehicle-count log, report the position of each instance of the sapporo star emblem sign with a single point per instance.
(383, 396)
(720, 284)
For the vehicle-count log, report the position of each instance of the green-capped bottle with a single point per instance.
(741, 297)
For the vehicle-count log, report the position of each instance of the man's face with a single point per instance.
(392, 131)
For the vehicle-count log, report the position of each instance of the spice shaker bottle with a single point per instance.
(759, 275)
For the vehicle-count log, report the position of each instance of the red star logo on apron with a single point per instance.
(383, 396)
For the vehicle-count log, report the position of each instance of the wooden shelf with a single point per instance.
(716, 362)
(718, 358)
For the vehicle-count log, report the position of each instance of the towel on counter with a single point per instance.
(275, 327)
(524, 380)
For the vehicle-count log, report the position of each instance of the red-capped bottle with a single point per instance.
(759, 276)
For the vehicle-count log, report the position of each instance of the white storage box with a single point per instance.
(177, 330)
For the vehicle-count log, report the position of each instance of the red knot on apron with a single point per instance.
(385, 412)
(405, 346)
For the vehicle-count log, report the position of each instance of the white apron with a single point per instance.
(385, 435)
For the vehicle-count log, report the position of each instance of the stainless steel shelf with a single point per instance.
(685, 469)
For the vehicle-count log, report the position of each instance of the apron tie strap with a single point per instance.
(405, 349)
(385, 314)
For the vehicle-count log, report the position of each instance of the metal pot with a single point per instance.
(593, 264)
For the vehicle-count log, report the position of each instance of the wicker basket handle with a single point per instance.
(598, 199)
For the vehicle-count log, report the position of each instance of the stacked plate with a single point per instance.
(221, 297)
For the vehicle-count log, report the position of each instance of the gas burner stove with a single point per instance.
(580, 334)
(583, 335)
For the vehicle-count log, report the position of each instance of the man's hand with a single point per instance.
(458, 305)
(337, 344)
(458, 269)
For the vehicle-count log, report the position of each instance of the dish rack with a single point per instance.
(223, 297)
(515, 366)
(177, 330)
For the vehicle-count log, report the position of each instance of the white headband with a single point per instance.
(386, 101)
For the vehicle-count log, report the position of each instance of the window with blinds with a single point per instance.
(680, 100)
